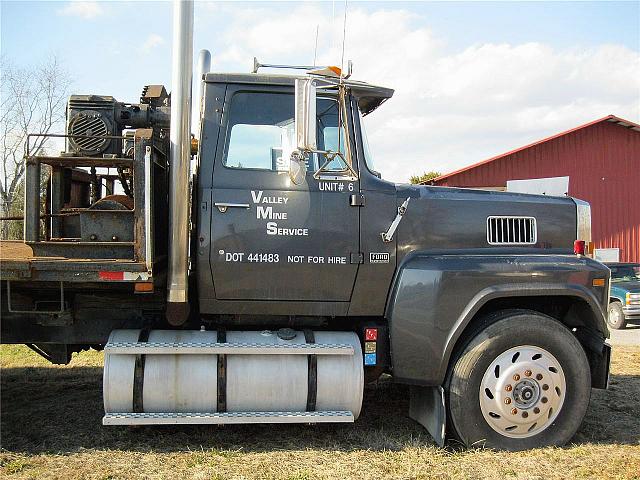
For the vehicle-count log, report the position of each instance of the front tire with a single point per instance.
(615, 316)
(523, 382)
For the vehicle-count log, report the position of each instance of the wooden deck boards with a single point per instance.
(18, 251)
(15, 250)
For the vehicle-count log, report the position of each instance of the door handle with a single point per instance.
(223, 206)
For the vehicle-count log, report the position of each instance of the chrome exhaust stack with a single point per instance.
(180, 156)
(204, 65)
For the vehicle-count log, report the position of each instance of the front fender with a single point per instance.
(618, 293)
(435, 297)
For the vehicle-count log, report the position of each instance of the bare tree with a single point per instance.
(33, 101)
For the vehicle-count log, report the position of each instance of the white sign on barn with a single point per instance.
(554, 186)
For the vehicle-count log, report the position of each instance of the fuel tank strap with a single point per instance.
(312, 365)
(138, 374)
(222, 374)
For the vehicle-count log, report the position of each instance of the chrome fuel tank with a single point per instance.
(262, 372)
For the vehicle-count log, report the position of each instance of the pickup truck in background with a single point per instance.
(624, 304)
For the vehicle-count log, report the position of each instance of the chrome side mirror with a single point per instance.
(297, 167)
(305, 114)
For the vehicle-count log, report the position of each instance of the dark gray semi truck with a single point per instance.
(283, 273)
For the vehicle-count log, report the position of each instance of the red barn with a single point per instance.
(602, 161)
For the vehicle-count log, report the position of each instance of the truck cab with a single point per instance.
(268, 245)
(306, 274)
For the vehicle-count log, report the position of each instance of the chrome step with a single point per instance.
(338, 416)
(175, 348)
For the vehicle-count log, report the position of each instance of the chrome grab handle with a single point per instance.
(402, 209)
(223, 206)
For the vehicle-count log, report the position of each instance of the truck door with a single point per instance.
(272, 239)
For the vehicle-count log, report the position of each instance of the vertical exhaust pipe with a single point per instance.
(204, 65)
(180, 156)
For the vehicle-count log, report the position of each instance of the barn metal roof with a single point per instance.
(609, 118)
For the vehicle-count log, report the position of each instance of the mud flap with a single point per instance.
(600, 371)
(427, 407)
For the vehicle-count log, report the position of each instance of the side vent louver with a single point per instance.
(511, 230)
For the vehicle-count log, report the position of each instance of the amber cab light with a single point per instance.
(579, 247)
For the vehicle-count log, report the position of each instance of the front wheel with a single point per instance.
(615, 316)
(523, 382)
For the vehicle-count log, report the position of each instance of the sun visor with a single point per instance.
(369, 97)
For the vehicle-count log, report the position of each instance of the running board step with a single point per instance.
(339, 416)
(174, 348)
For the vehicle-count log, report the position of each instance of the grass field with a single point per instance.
(51, 428)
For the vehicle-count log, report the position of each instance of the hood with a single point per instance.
(443, 219)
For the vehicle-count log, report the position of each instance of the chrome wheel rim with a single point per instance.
(522, 391)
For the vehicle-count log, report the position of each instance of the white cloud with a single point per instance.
(86, 10)
(450, 109)
(153, 40)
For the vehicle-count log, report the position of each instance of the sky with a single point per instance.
(471, 79)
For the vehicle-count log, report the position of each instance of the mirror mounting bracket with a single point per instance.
(318, 175)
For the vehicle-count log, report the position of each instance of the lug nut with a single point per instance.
(525, 414)
(545, 387)
(539, 376)
(536, 410)
(544, 400)
(507, 401)
(514, 411)
(516, 377)
(508, 388)
(527, 373)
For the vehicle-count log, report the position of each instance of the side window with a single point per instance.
(260, 133)
(255, 146)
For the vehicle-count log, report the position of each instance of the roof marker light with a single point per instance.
(333, 72)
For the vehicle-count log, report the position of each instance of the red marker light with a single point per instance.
(579, 247)
(371, 334)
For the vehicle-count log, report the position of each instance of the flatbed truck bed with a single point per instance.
(18, 262)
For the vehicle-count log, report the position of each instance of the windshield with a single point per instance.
(368, 157)
(625, 273)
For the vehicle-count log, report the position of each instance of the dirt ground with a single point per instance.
(51, 428)
(628, 336)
